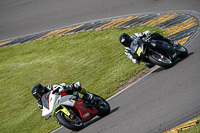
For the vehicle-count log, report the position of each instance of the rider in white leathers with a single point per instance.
(38, 91)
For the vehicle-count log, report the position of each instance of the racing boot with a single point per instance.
(172, 43)
(88, 96)
(169, 41)
(175, 45)
(157, 36)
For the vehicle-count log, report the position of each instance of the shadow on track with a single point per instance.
(175, 62)
(99, 118)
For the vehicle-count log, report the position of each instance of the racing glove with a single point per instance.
(60, 89)
(135, 56)
(135, 61)
(40, 104)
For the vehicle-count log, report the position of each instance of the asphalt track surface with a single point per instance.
(154, 104)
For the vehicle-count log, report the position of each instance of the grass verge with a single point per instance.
(96, 59)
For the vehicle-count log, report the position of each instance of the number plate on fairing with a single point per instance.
(139, 51)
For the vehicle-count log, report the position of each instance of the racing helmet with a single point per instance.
(38, 90)
(125, 39)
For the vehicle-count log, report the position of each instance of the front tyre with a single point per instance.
(74, 123)
(103, 106)
(161, 60)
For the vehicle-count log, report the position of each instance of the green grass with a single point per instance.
(96, 59)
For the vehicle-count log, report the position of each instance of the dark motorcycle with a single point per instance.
(158, 52)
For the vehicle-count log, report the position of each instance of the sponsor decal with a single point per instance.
(86, 115)
(174, 55)
(153, 44)
(139, 51)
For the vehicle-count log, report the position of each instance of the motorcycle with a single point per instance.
(71, 111)
(158, 52)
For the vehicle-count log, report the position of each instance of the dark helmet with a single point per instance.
(38, 90)
(125, 40)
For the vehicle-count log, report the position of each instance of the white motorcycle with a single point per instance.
(71, 111)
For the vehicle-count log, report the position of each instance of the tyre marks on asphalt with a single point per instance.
(178, 26)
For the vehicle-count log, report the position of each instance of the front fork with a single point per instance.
(63, 109)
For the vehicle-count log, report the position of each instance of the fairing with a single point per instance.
(85, 113)
(51, 101)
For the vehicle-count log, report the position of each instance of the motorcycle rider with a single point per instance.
(39, 90)
(127, 41)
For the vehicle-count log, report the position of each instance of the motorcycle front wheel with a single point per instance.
(74, 123)
(160, 60)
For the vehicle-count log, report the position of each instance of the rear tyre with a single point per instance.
(75, 123)
(103, 106)
(160, 60)
(182, 52)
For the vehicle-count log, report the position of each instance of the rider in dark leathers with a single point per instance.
(128, 41)
(38, 91)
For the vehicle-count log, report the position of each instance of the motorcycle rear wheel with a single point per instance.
(182, 52)
(74, 124)
(160, 60)
(103, 107)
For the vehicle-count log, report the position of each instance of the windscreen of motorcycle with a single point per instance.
(134, 46)
(45, 100)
